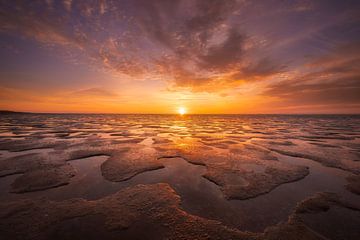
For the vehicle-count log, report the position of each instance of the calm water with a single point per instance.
(329, 145)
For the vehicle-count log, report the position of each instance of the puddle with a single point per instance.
(342, 224)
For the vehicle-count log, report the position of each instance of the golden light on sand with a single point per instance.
(182, 110)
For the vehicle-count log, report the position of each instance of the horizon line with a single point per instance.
(189, 114)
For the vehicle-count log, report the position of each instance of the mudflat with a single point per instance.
(68, 176)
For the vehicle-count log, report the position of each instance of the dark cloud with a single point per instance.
(338, 91)
(225, 55)
(36, 21)
(207, 17)
(330, 79)
(259, 70)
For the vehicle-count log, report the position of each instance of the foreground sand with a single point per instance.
(171, 177)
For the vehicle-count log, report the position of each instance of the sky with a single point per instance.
(156, 56)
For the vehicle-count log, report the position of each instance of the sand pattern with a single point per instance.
(246, 157)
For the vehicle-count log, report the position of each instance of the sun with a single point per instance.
(182, 110)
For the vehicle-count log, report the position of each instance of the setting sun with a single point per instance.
(182, 110)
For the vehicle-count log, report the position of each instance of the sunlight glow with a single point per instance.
(182, 110)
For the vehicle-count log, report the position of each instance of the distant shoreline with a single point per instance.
(14, 112)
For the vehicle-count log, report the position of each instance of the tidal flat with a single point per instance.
(109, 176)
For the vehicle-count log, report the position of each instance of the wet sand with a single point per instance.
(239, 177)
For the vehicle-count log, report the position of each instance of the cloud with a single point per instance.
(260, 70)
(209, 13)
(94, 92)
(39, 25)
(330, 79)
(225, 55)
(197, 45)
(191, 44)
(67, 4)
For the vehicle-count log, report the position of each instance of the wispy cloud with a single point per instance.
(93, 92)
(331, 79)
